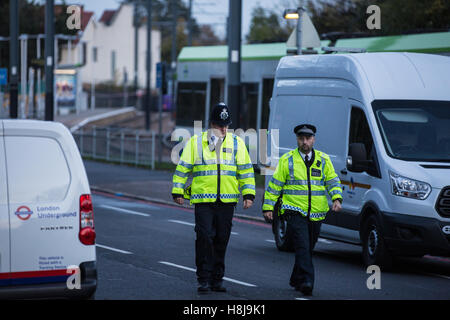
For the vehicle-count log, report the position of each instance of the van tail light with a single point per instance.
(87, 231)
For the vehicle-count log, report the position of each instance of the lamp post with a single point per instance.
(296, 14)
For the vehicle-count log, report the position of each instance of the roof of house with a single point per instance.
(85, 17)
(107, 16)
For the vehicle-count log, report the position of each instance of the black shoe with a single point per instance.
(202, 287)
(306, 288)
(218, 287)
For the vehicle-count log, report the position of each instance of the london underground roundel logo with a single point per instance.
(23, 213)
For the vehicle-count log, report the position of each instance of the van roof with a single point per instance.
(386, 75)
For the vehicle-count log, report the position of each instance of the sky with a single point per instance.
(212, 12)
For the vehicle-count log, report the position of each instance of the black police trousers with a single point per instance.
(213, 222)
(304, 235)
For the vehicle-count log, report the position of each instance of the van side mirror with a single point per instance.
(357, 158)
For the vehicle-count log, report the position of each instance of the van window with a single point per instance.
(37, 170)
(414, 130)
(328, 114)
(360, 130)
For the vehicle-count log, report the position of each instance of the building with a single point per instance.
(108, 49)
(202, 73)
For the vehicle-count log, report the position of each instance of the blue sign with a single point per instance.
(3, 76)
(159, 75)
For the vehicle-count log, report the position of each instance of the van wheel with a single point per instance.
(283, 234)
(374, 247)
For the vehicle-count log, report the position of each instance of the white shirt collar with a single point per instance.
(303, 155)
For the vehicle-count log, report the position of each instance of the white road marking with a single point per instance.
(324, 241)
(183, 222)
(112, 249)
(193, 270)
(301, 299)
(437, 275)
(271, 241)
(125, 210)
(193, 225)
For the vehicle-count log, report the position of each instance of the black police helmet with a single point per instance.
(220, 115)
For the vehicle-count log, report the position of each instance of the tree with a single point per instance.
(265, 27)
(162, 16)
(31, 21)
(397, 16)
(206, 37)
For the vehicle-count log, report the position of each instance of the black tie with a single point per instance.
(306, 159)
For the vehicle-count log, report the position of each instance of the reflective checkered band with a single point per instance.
(204, 196)
(312, 215)
(293, 208)
(229, 196)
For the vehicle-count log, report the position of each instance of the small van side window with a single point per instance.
(37, 170)
(360, 131)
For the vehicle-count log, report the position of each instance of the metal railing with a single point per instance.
(117, 145)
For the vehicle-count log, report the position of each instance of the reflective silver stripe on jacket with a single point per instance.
(246, 175)
(304, 192)
(277, 182)
(291, 167)
(181, 174)
(304, 182)
(178, 185)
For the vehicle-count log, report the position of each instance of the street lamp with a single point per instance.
(296, 14)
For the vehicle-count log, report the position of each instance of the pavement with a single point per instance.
(150, 185)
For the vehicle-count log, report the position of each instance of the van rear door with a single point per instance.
(43, 212)
(4, 219)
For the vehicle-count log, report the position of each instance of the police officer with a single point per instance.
(302, 178)
(220, 164)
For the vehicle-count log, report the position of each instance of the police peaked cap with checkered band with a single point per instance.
(305, 129)
(220, 115)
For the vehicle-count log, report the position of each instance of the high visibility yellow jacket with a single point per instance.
(215, 178)
(303, 190)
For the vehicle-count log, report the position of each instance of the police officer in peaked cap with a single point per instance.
(303, 178)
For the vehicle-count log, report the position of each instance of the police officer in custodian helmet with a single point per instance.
(220, 165)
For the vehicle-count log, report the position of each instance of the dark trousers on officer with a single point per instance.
(305, 234)
(213, 223)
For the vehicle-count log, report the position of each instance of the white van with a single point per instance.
(47, 235)
(384, 119)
